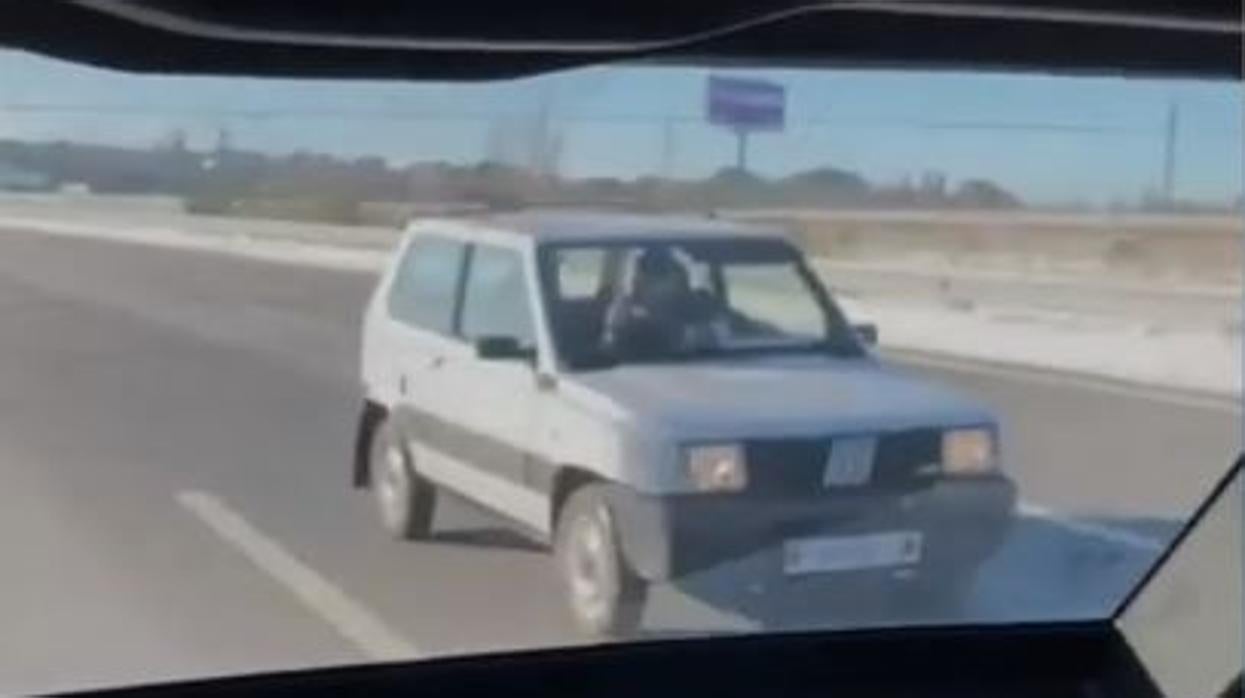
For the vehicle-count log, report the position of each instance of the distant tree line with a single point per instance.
(226, 180)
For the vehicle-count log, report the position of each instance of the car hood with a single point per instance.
(777, 396)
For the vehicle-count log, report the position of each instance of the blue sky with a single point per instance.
(628, 121)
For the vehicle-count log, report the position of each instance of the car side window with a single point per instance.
(495, 301)
(426, 284)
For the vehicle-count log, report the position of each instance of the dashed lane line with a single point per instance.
(351, 619)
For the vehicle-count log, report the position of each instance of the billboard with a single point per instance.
(745, 104)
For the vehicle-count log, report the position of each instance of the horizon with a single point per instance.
(1050, 140)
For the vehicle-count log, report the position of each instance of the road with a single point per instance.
(174, 436)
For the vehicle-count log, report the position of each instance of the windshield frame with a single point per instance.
(840, 341)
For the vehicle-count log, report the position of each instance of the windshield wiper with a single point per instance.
(837, 349)
(767, 349)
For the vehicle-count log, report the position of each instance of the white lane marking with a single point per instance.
(1066, 379)
(350, 618)
(1112, 534)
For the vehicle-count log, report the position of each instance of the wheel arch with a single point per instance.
(370, 417)
(566, 479)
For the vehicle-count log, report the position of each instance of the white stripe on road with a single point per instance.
(274, 249)
(1055, 377)
(1111, 534)
(350, 618)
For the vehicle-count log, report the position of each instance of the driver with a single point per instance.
(658, 313)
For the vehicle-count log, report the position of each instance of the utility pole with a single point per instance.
(666, 169)
(1169, 155)
(224, 141)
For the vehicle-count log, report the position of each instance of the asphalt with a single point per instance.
(175, 431)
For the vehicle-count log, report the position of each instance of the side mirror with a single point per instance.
(500, 348)
(867, 332)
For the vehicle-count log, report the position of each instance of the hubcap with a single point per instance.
(589, 566)
(393, 485)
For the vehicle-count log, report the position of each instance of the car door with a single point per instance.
(422, 305)
(493, 400)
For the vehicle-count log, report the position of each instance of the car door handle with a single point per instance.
(436, 362)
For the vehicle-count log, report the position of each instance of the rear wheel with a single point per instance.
(605, 596)
(406, 500)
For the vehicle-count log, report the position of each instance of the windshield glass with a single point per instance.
(682, 300)
(311, 372)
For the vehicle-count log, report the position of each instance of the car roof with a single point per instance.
(594, 226)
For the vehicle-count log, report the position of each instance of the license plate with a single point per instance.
(850, 462)
(842, 553)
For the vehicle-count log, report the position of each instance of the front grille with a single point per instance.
(902, 456)
(786, 466)
(796, 466)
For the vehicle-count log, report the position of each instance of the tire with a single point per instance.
(406, 501)
(605, 597)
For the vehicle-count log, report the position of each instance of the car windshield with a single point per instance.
(316, 372)
(676, 300)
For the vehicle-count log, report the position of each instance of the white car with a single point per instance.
(654, 396)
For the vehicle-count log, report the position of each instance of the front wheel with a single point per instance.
(605, 596)
(406, 500)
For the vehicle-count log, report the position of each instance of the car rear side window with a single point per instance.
(581, 273)
(495, 301)
(426, 285)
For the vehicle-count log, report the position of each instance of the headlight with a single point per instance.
(716, 467)
(968, 452)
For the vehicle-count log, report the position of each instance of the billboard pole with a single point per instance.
(741, 150)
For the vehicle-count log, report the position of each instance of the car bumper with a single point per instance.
(664, 537)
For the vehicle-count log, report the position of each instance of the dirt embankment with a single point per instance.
(1197, 249)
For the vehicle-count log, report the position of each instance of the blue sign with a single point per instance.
(745, 104)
